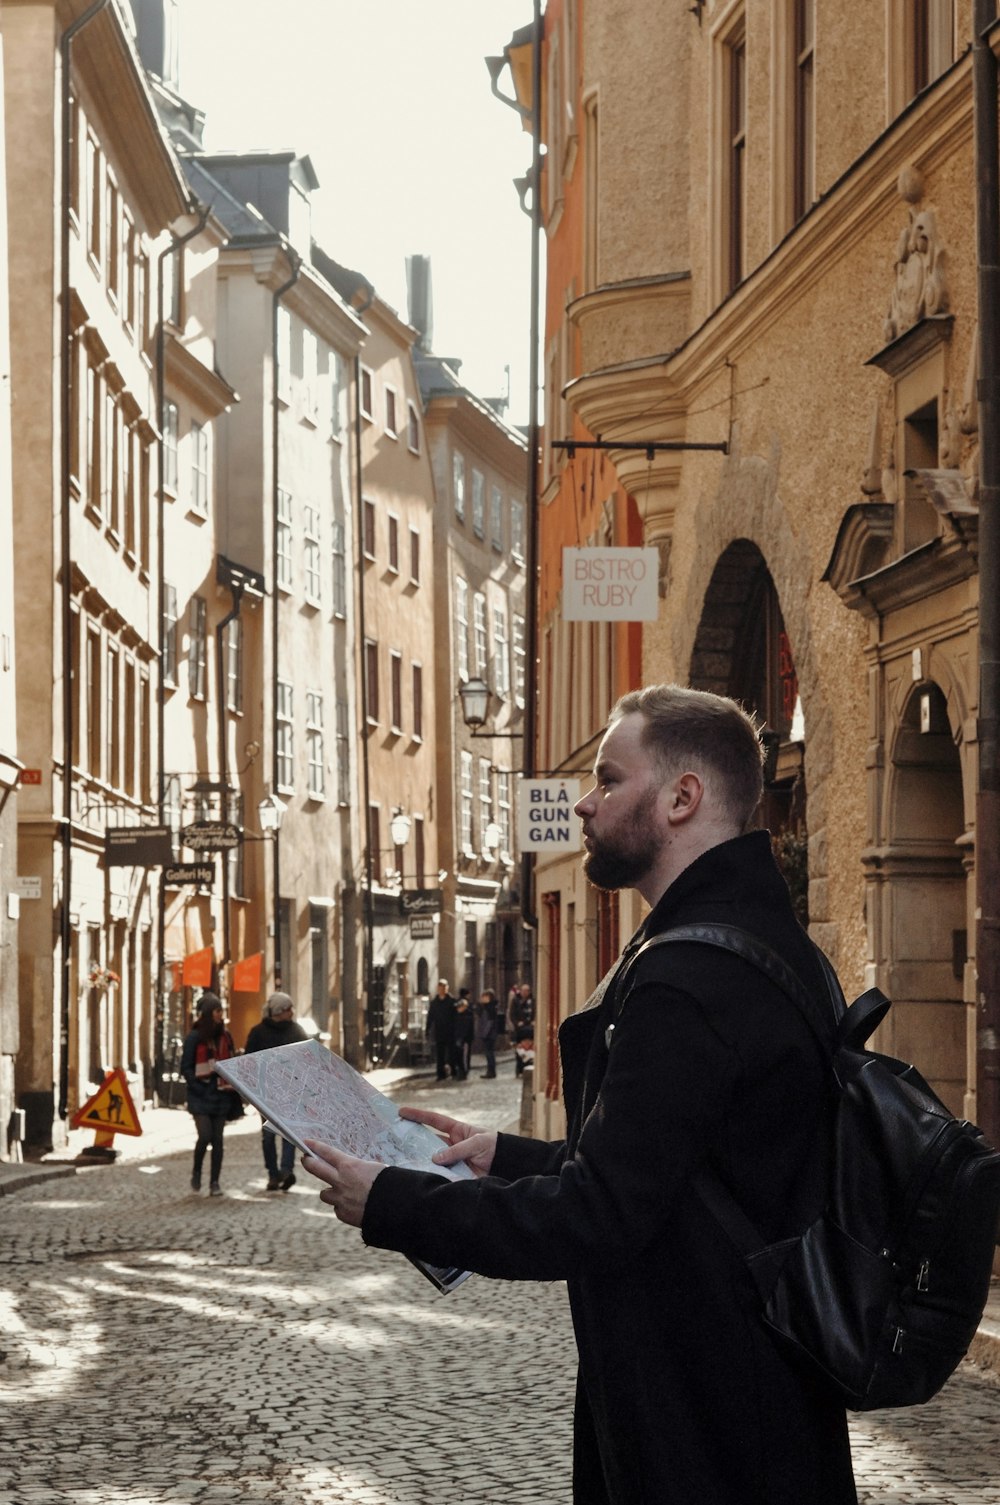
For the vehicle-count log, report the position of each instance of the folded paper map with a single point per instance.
(306, 1092)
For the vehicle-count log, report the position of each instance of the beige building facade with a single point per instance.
(778, 257)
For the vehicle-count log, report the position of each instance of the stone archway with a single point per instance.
(922, 896)
(742, 649)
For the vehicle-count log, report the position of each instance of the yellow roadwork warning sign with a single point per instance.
(110, 1111)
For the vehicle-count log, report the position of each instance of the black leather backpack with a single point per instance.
(883, 1293)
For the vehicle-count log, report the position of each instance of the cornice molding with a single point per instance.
(211, 392)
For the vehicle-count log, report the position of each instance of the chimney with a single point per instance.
(418, 298)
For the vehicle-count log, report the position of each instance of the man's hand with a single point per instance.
(465, 1142)
(348, 1181)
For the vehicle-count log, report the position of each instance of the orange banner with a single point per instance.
(247, 974)
(197, 971)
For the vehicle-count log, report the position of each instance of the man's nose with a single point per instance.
(585, 805)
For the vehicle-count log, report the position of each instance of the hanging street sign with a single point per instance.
(545, 819)
(611, 585)
(202, 873)
(211, 836)
(138, 846)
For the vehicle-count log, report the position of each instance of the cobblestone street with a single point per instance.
(158, 1347)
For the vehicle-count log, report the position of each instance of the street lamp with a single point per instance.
(399, 827)
(270, 814)
(474, 695)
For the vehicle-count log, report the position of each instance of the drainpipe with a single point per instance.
(369, 927)
(528, 915)
(171, 248)
(277, 296)
(984, 75)
(66, 554)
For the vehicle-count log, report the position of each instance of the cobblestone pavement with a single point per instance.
(161, 1348)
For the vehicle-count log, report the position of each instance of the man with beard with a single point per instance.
(685, 1064)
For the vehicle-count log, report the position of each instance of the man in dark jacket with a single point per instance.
(691, 1061)
(277, 1027)
(441, 1024)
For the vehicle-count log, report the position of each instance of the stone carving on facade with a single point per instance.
(890, 481)
(921, 274)
(968, 416)
(950, 439)
(871, 483)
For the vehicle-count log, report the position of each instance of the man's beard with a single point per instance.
(624, 860)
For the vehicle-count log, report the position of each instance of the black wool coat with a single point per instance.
(682, 1398)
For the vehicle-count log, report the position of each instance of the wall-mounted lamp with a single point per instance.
(270, 814)
(474, 695)
(399, 827)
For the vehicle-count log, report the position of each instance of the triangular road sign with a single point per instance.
(111, 1109)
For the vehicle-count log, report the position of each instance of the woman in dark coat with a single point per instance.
(209, 1099)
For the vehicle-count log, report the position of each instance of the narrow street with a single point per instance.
(158, 1348)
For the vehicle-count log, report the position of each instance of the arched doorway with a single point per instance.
(742, 649)
(923, 896)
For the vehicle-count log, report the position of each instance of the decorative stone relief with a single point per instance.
(871, 483)
(921, 269)
(890, 481)
(950, 440)
(968, 417)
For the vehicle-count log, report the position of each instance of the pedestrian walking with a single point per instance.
(277, 1027)
(486, 1028)
(441, 1024)
(210, 1101)
(464, 1027)
(685, 1063)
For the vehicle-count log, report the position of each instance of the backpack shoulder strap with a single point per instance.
(760, 955)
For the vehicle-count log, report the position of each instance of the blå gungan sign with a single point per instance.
(545, 819)
(610, 585)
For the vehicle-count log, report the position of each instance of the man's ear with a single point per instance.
(686, 795)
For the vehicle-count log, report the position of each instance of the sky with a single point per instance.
(391, 101)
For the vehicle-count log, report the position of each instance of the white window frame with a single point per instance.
(465, 802)
(504, 811)
(518, 520)
(485, 799)
(199, 439)
(501, 655)
(171, 425)
(285, 735)
(480, 639)
(458, 484)
(412, 427)
(312, 557)
(462, 627)
(391, 424)
(478, 503)
(518, 657)
(496, 517)
(367, 379)
(286, 538)
(315, 755)
(338, 550)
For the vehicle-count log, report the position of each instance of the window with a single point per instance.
(94, 197)
(805, 108)
(312, 557)
(368, 527)
(517, 655)
(130, 244)
(367, 398)
(390, 412)
(234, 665)
(458, 484)
(501, 660)
(394, 544)
(283, 354)
(169, 635)
(336, 390)
(199, 468)
(339, 551)
(285, 736)
(414, 556)
(142, 503)
(480, 644)
(173, 283)
(375, 842)
(315, 761)
(417, 677)
(931, 40)
(371, 680)
(462, 627)
(112, 718)
(591, 184)
(485, 800)
(504, 811)
(129, 728)
(284, 539)
(112, 237)
(517, 531)
(419, 849)
(496, 517)
(145, 741)
(319, 963)
(170, 471)
(735, 140)
(198, 649)
(114, 466)
(130, 442)
(396, 690)
(94, 702)
(310, 375)
(343, 754)
(479, 504)
(412, 428)
(465, 802)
